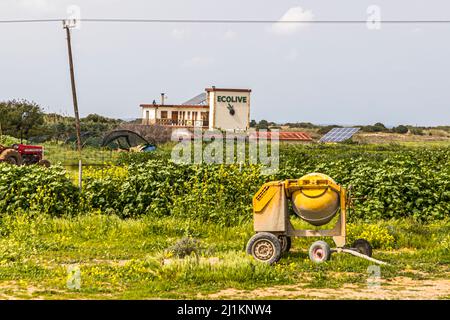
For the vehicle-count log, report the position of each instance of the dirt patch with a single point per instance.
(397, 288)
(13, 290)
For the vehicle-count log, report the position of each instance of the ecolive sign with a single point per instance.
(228, 99)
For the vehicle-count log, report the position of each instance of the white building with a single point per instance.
(217, 108)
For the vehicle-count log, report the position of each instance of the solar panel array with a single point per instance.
(197, 100)
(339, 134)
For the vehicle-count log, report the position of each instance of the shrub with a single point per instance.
(35, 188)
(400, 129)
(377, 235)
(185, 247)
(417, 131)
(388, 182)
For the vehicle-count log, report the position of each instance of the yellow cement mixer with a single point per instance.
(315, 198)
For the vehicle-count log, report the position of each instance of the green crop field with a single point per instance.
(144, 227)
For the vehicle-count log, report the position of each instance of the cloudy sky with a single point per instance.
(345, 74)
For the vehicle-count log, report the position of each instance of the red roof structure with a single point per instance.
(282, 135)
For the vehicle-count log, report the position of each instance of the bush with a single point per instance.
(326, 129)
(8, 140)
(185, 247)
(378, 236)
(417, 131)
(400, 129)
(377, 127)
(388, 182)
(35, 188)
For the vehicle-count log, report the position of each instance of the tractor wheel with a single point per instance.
(319, 252)
(362, 246)
(44, 163)
(11, 156)
(264, 247)
(285, 242)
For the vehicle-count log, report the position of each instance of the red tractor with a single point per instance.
(21, 154)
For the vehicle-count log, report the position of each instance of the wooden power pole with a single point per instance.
(68, 25)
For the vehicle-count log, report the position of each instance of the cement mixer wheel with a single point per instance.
(319, 252)
(264, 247)
(362, 246)
(286, 243)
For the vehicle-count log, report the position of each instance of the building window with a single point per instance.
(163, 114)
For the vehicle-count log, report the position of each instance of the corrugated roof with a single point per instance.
(197, 100)
(282, 135)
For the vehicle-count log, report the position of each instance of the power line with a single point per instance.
(32, 21)
(227, 21)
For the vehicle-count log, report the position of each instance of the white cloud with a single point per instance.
(293, 14)
(230, 35)
(198, 62)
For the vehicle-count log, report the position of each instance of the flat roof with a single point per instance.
(203, 106)
(228, 89)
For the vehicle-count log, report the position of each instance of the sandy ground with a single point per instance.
(400, 288)
(397, 288)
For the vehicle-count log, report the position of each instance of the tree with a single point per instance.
(379, 124)
(98, 119)
(20, 117)
(377, 127)
(263, 124)
(326, 129)
(400, 129)
(253, 124)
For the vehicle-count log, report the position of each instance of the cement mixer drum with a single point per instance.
(317, 205)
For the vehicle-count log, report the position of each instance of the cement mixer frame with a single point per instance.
(274, 229)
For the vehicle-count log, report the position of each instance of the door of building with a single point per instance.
(175, 118)
(205, 119)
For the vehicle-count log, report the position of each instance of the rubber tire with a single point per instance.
(44, 163)
(270, 238)
(286, 243)
(11, 156)
(362, 246)
(325, 252)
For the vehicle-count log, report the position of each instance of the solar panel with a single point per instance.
(197, 100)
(339, 134)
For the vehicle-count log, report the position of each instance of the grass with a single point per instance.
(129, 259)
(68, 156)
(139, 258)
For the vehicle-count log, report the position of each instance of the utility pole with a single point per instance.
(68, 24)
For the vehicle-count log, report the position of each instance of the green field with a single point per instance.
(136, 258)
(144, 227)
